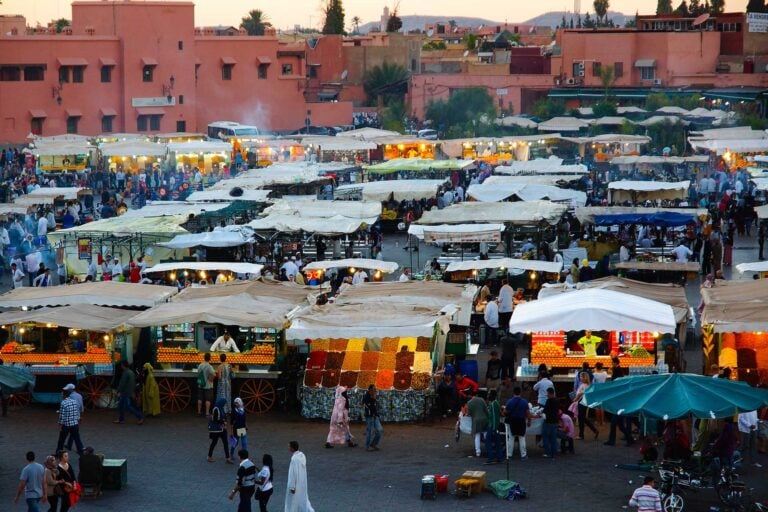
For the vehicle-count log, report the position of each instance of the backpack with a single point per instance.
(201, 378)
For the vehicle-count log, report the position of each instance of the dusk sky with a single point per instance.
(285, 14)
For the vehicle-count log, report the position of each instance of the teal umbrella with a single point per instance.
(14, 380)
(674, 396)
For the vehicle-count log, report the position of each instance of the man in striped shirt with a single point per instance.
(646, 498)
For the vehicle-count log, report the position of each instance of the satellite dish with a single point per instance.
(701, 19)
(430, 33)
(466, 53)
(344, 74)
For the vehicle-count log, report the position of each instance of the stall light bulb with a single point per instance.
(22, 330)
(74, 332)
(186, 273)
(24, 308)
(49, 325)
(474, 272)
(203, 274)
(351, 270)
(172, 276)
(106, 337)
(655, 334)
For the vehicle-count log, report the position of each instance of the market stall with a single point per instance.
(350, 266)
(541, 166)
(494, 191)
(339, 149)
(589, 325)
(392, 345)
(206, 155)
(133, 155)
(294, 178)
(203, 273)
(59, 345)
(63, 156)
(56, 198)
(419, 168)
(265, 151)
(735, 328)
(640, 191)
(403, 147)
(254, 313)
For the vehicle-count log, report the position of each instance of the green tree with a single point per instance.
(588, 22)
(393, 115)
(471, 41)
(433, 45)
(632, 22)
(563, 23)
(695, 7)
(664, 7)
(628, 128)
(466, 113)
(394, 23)
(756, 6)
(547, 108)
(387, 81)
(682, 9)
(604, 108)
(334, 17)
(667, 134)
(356, 24)
(601, 12)
(716, 7)
(61, 24)
(255, 23)
(607, 76)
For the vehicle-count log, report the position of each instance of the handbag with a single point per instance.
(200, 379)
(215, 427)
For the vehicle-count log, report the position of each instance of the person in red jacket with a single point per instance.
(135, 273)
(464, 384)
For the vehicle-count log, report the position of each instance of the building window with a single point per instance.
(10, 74)
(312, 72)
(181, 45)
(181, 126)
(647, 73)
(106, 124)
(34, 73)
(147, 73)
(36, 127)
(578, 69)
(263, 71)
(287, 69)
(618, 69)
(181, 99)
(148, 122)
(106, 74)
(72, 122)
(64, 74)
(226, 71)
(78, 74)
(596, 68)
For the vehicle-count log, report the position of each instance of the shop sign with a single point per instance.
(757, 21)
(84, 248)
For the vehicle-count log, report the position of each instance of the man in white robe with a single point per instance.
(296, 494)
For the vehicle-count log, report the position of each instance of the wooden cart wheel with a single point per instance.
(20, 399)
(175, 394)
(258, 395)
(94, 389)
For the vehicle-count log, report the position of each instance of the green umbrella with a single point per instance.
(675, 395)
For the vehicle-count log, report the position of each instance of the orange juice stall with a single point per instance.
(735, 328)
(588, 326)
(67, 344)
(253, 314)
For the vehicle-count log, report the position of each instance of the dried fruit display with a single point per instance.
(313, 378)
(420, 381)
(348, 379)
(402, 381)
(331, 378)
(352, 360)
(365, 379)
(334, 360)
(370, 361)
(404, 361)
(385, 379)
(387, 361)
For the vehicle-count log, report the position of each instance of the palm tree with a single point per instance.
(356, 23)
(255, 23)
(388, 82)
(601, 10)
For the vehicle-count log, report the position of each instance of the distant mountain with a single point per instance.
(417, 22)
(554, 18)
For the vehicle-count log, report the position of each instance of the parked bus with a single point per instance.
(226, 130)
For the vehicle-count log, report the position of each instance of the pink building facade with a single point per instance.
(143, 67)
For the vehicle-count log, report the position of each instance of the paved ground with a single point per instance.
(167, 467)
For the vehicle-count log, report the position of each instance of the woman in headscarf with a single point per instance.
(217, 429)
(53, 483)
(150, 393)
(239, 430)
(339, 431)
(224, 389)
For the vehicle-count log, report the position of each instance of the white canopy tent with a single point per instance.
(522, 122)
(399, 190)
(208, 239)
(549, 179)
(586, 214)
(663, 119)
(133, 148)
(525, 213)
(200, 146)
(252, 269)
(506, 263)
(562, 124)
(172, 208)
(368, 133)
(552, 165)
(754, 266)
(457, 233)
(495, 192)
(48, 195)
(619, 191)
(215, 196)
(305, 207)
(657, 160)
(596, 309)
(62, 148)
(329, 226)
(674, 110)
(366, 263)
(103, 293)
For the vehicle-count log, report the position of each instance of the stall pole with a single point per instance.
(410, 251)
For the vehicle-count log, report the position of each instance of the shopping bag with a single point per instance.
(465, 424)
(501, 488)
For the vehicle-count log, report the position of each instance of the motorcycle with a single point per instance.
(677, 478)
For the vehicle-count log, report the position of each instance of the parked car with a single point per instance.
(428, 134)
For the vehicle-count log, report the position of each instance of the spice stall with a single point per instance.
(207, 156)
(255, 313)
(735, 328)
(625, 325)
(391, 335)
(64, 333)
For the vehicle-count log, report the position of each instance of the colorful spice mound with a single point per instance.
(331, 378)
(422, 344)
(407, 342)
(385, 379)
(403, 361)
(387, 361)
(321, 344)
(420, 381)
(356, 344)
(389, 344)
(402, 380)
(338, 345)
(370, 361)
(334, 360)
(352, 360)
(313, 378)
(348, 379)
(365, 379)
(422, 362)
(317, 360)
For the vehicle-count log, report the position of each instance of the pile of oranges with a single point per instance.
(546, 350)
